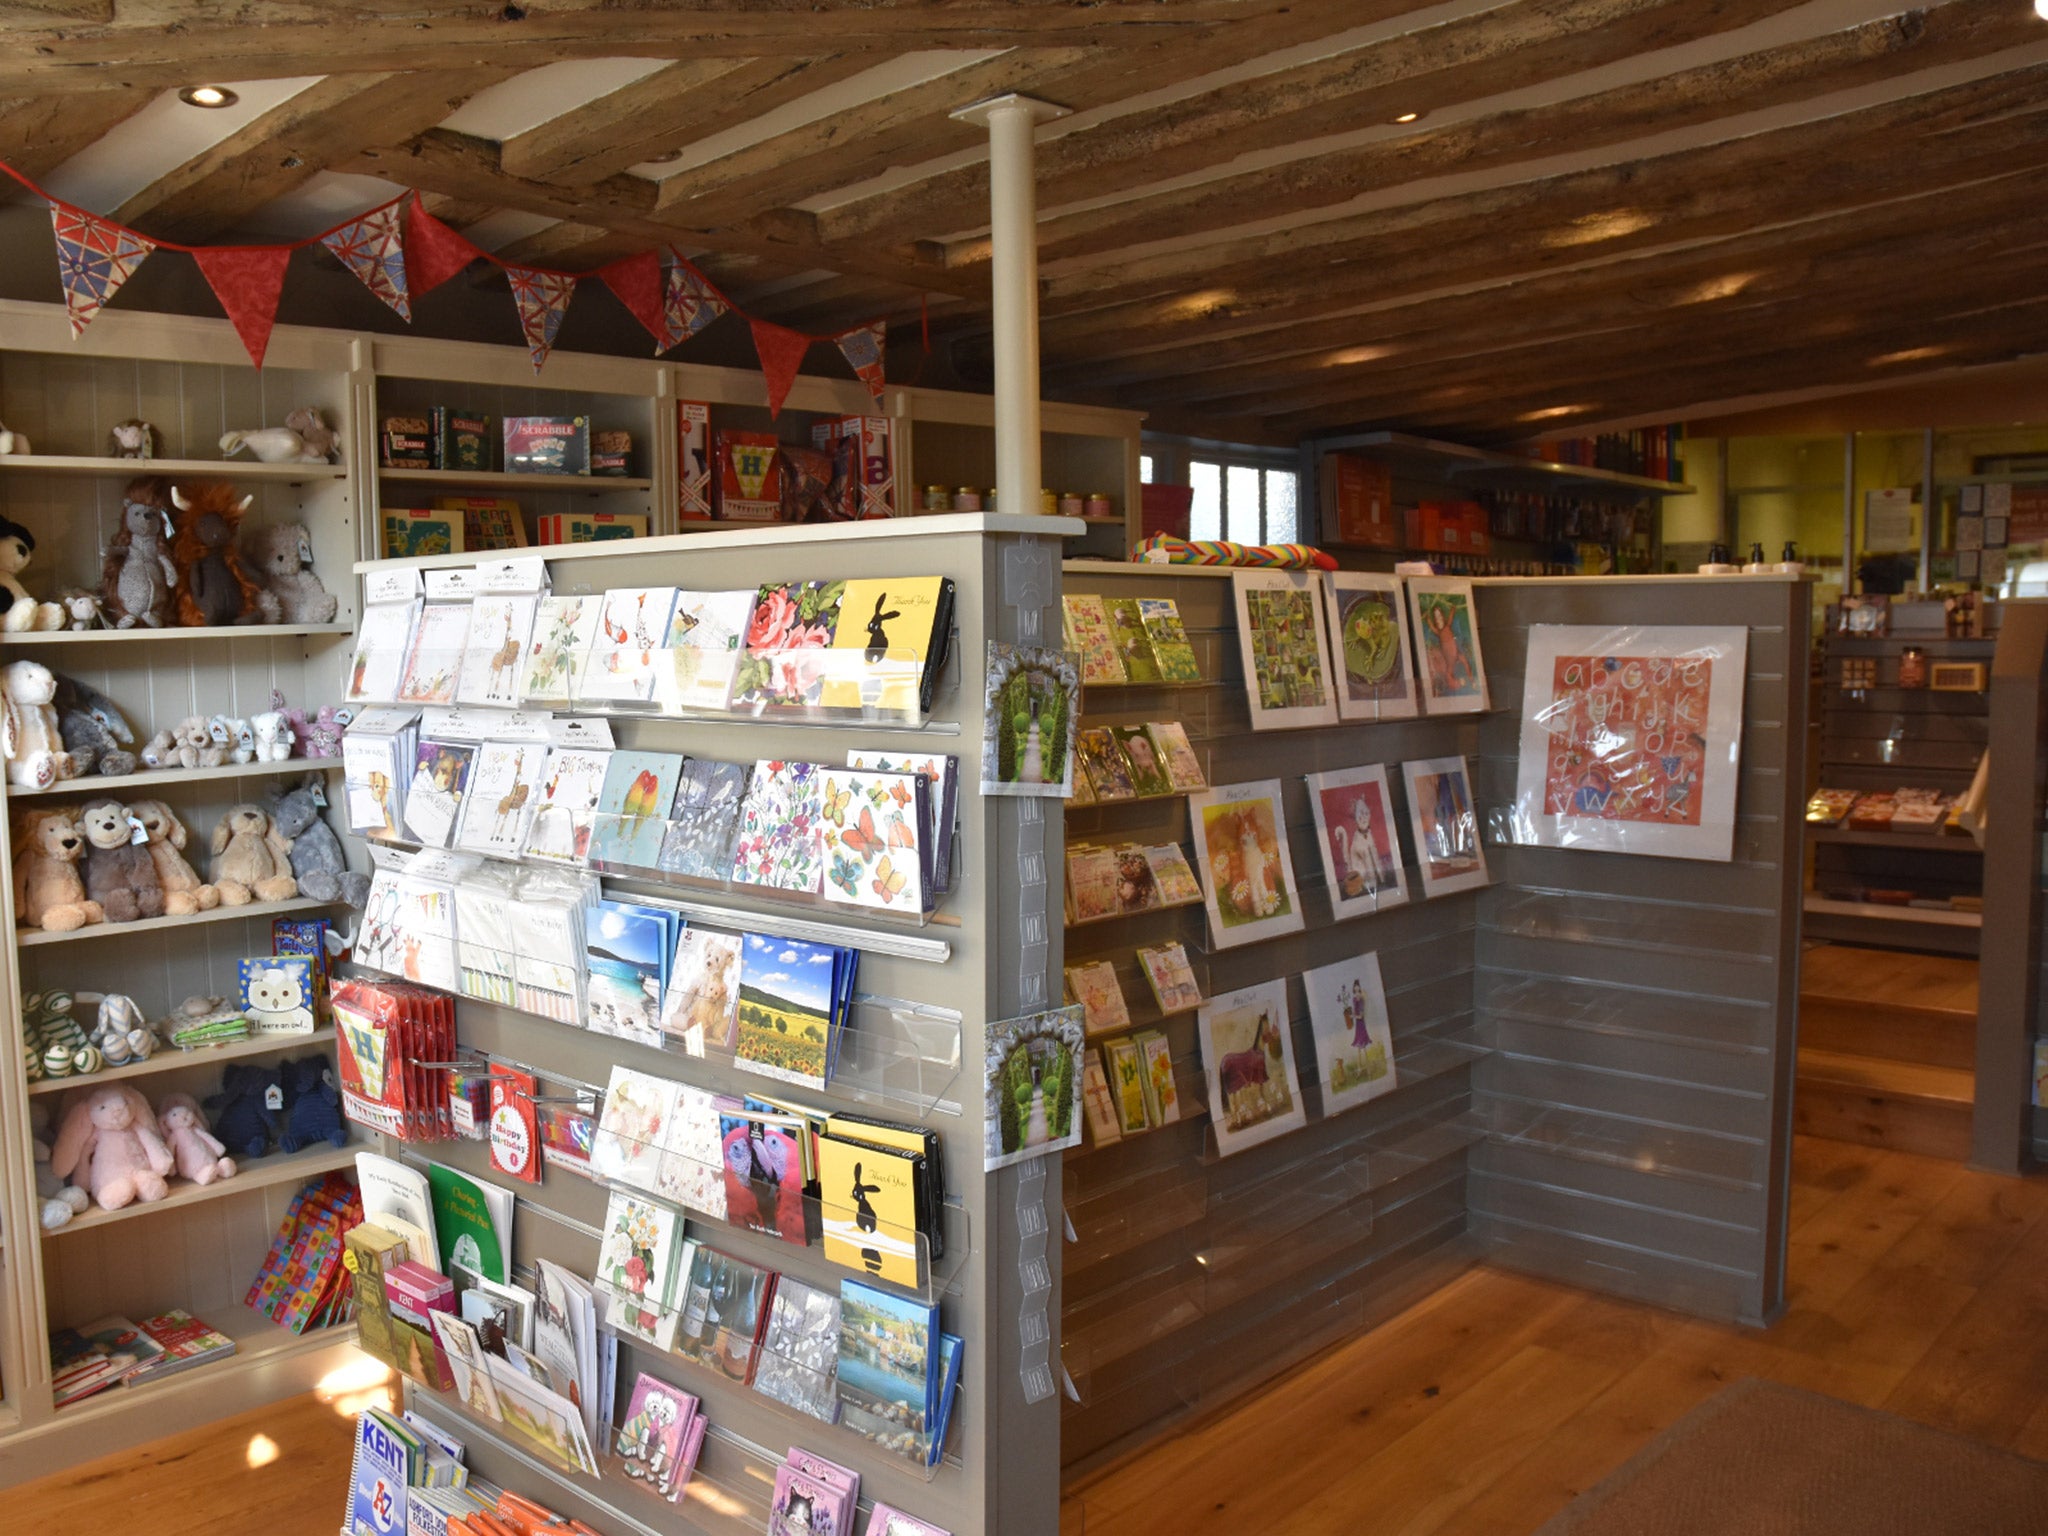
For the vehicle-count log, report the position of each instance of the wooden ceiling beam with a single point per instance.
(1810, 68)
(571, 247)
(461, 165)
(212, 193)
(162, 43)
(667, 110)
(42, 132)
(1510, 46)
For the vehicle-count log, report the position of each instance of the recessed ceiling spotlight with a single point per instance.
(1591, 228)
(208, 96)
(1552, 412)
(1409, 117)
(2041, 9)
(1909, 355)
(1351, 355)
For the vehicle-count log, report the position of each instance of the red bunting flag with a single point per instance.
(433, 251)
(781, 351)
(543, 298)
(94, 258)
(637, 283)
(862, 348)
(689, 302)
(373, 247)
(248, 280)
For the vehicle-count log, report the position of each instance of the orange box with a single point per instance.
(1449, 527)
(1357, 496)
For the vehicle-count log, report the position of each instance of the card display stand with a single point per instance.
(1592, 1070)
(913, 1051)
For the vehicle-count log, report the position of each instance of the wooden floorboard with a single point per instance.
(1914, 1285)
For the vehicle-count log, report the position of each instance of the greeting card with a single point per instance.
(500, 630)
(1248, 1052)
(1356, 840)
(1347, 1010)
(1031, 701)
(1247, 872)
(563, 628)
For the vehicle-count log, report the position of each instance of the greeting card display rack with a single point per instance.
(1593, 1070)
(913, 1053)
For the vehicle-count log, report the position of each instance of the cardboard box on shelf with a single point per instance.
(407, 442)
(1448, 527)
(547, 445)
(693, 459)
(591, 527)
(462, 439)
(1358, 501)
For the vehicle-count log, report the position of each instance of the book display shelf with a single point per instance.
(1591, 1071)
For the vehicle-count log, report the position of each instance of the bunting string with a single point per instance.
(401, 252)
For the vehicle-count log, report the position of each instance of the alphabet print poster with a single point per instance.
(1355, 832)
(1632, 739)
(1369, 650)
(1247, 873)
(1248, 1049)
(1447, 645)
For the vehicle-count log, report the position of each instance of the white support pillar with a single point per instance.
(1013, 250)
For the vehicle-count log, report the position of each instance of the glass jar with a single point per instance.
(1071, 503)
(1913, 667)
(937, 499)
(967, 499)
(1098, 505)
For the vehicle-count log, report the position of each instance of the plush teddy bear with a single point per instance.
(280, 558)
(48, 890)
(21, 612)
(216, 590)
(249, 1109)
(111, 1147)
(96, 733)
(250, 860)
(60, 1201)
(119, 874)
(272, 734)
(312, 1105)
(318, 863)
(197, 1152)
(184, 891)
(56, 1042)
(234, 736)
(138, 575)
(30, 735)
(195, 746)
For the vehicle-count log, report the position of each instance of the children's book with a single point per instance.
(563, 628)
(432, 664)
(1170, 648)
(561, 826)
(631, 820)
(1172, 979)
(636, 1265)
(1094, 986)
(701, 1007)
(1170, 742)
(1148, 769)
(632, 628)
(500, 631)
(504, 791)
(1088, 634)
(185, 1341)
(1133, 645)
(704, 636)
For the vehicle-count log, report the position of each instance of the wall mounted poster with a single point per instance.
(1369, 648)
(1355, 832)
(1031, 1086)
(1033, 699)
(1632, 739)
(1347, 1010)
(1446, 827)
(1247, 874)
(1248, 1048)
(1281, 639)
(1447, 645)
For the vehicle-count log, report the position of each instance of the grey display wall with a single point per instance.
(1594, 1054)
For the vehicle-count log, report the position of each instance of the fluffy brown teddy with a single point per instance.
(48, 892)
(119, 875)
(184, 891)
(251, 861)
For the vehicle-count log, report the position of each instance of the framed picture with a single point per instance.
(1248, 1048)
(1632, 739)
(1446, 826)
(1281, 638)
(1247, 874)
(1361, 851)
(1032, 703)
(1452, 672)
(1354, 1044)
(1369, 650)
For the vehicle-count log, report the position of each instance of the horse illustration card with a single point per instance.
(1355, 835)
(504, 792)
(1248, 1051)
(1281, 638)
(1446, 826)
(1453, 672)
(500, 629)
(1247, 872)
(1347, 1013)
(1369, 650)
(1031, 706)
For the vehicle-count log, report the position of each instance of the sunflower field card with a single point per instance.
(787, 1010)
(1347, 1010)
(1031, 704)
(563, 628)
(1248, 1052)
(1247, 872)
(1369, 648)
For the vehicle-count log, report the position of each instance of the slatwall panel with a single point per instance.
(1640, 1010)
(1193, 1276)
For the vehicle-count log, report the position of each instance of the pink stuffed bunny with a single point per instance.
(198, 1155)
(111, 1148)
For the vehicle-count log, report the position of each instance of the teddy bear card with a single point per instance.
(277, 993)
